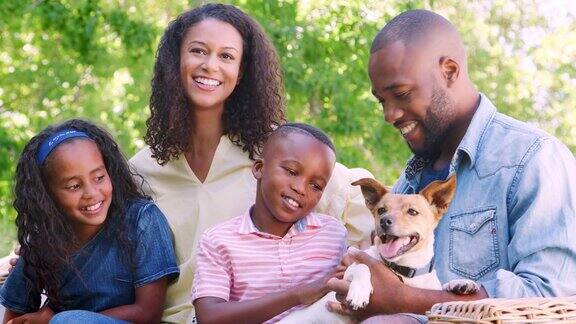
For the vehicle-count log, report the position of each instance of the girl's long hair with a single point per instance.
(44, 231)
(251, 112)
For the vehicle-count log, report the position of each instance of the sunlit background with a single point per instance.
(93, 59)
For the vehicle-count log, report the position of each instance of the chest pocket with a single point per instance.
(474, 243)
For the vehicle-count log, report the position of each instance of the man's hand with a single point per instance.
(387, 287)
(42, 316)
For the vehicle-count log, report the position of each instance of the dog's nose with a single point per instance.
(385, 222)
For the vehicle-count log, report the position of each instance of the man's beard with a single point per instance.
(437, 124)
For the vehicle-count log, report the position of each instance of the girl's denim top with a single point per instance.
(104, 276)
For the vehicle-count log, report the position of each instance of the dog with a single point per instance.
(404, 241)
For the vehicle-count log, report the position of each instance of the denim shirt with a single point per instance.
(511, 225)
(105, 279)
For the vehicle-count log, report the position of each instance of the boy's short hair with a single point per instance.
(309, 130)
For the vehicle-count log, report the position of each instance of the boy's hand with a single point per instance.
(309, 293)
(42, 316)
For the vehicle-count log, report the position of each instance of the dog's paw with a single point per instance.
(353, 249)
(360, 288)
(358, 296)
(461, 286)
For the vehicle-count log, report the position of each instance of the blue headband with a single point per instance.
(53, 141)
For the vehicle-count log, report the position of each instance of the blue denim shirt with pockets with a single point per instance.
(106, 278)
(512, 223)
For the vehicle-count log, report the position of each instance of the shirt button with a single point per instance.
(285, 262)
(472, 226)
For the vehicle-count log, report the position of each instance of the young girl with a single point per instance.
(278, 254)
(90, 240)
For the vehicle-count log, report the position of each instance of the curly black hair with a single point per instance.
(44, 231)
(251, 112)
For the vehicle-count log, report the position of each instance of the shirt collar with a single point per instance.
(469, 144)
(310, 221)
(477, 128)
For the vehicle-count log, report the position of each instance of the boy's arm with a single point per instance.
(147, 307)
(217, 310)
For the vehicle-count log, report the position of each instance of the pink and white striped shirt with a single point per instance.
(237, 262)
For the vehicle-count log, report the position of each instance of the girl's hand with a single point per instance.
(42, 316)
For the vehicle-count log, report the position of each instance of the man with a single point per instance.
(512, 225)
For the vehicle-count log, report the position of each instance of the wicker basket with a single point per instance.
(502, 310)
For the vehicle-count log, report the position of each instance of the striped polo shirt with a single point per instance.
(237, 262)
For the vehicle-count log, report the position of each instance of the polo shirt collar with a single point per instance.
(310, 221)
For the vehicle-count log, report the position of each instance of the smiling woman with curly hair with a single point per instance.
(247, 114)
(216, 95)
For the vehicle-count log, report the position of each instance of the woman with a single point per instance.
(216, 95)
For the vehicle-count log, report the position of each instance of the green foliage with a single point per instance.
(93, 59)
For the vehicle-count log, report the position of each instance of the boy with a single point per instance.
(278, 255)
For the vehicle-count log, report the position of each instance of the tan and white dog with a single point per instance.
(404, 241)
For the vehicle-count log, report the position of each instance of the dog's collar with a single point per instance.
(409, 272)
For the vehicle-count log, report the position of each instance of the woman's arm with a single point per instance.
(147, 307)
(216, 310)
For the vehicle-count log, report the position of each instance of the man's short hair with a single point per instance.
(409, 26)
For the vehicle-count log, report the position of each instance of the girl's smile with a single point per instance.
(93, 209)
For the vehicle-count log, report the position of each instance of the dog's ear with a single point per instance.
(439, 194)
(372, 191)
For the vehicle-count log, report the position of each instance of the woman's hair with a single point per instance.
(251, 112)
(44, 231)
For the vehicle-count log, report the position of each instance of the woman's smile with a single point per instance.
(210, 59)
(207, 83)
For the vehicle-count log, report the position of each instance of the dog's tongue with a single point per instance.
(390, 249)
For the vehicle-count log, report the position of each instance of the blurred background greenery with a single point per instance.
(93, 59)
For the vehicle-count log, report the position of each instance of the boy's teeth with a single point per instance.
(407, 129)
(292, 202)
(208, 82)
